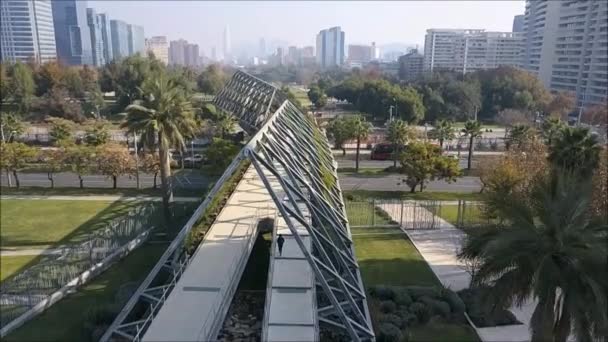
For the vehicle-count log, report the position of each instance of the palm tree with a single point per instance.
(444, 130)
(360, 130)
(550, 128)
(399, 133)
(472, 129)
(575, 150)
(164, 116)
(552, 251)
(518, 135)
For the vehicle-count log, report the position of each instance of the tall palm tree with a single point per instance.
(551, 251)
(551, 128)
(575, 150)
(472, 129)
(399, 133)
(518, 135)
(360, 130)
(163, 117)
(444, 130)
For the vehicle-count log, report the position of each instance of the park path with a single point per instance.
(98, 198)
(439, 248)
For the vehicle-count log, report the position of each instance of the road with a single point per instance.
(184, 179)
(348, 161)
(394, 182)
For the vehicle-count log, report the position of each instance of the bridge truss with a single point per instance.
(288, 145)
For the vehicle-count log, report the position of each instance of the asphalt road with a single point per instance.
(394, 182)
(184, 179)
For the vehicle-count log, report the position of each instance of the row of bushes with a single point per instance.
(403, 307)
(482, 313)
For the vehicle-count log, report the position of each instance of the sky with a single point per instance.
(298, 22)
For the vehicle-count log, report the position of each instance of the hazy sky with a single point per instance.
(297, 22)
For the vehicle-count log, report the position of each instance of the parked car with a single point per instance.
(382, 151)
(197, 158)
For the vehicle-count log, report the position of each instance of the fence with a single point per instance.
(59, 268)
(415, 214)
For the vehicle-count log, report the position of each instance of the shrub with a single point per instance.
(385, 293)
(422, 312)
(393, 319)
(97, 320)
(388, 306)
(402, 297)
(419, 291)
(389, 333)
(437, 307)
(456, 304)
(482, 314)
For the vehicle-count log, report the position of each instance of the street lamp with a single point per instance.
(136, 159)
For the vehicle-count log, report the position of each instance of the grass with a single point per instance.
(42, 223)
(67, 319)
(440, 332)
(391, 260)
(376, 171)
(42, 191)
(9, 265)
(364, 214)
(435, 196)
(473, 215)
(301, 96)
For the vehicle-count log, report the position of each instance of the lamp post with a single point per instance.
(136, 160)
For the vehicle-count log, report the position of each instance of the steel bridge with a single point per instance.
(316, 282)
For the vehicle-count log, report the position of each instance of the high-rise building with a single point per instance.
(94, 22)
(191, 55)
(106, 37)
(72, 35)
(469, 50)
(214, 54)
(226, 46)
(359, 55)
(330, 47)
(262, 48)
(27, 31)
(411, 65)
(518, 23)
(120, 38)
(177, 49)
(159, 47)
(293, 55)
(137, 40)
(566, 46)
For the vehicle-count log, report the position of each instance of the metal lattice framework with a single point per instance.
(288, 145)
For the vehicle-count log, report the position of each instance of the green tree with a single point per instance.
(220, 154)
(54, 161)
(128, 75)
(561, 104)
(80, 159)
(472, 129)
(22, 86)
(359, 130)
(59, 103)
(151, 164)
(552, 251)
(166, 114)
(96, 135)
(317, 97)
(212, 79)
(444, 130)
(49, 75)
(14, 157)
(73, 83)
(5, 82)
(551, 128)
(399, 134)
(518, 135)
(338, 130)
(575, 150)
(11, 126)
(60, 131)
(114, 161)
(423, 161)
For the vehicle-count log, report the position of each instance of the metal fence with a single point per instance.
(415, 214)
(57, 268)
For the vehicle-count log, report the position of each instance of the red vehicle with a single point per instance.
(382, 151)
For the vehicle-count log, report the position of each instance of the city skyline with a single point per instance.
(297, 23)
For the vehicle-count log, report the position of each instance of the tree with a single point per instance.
(151, 164)
(551, 128)
(114, 161)
(58, 103)
(54, 162)
(49, 75)
(518, 134)
(359, 130)
(11, 126)
(73, 83)
(399, 134)
(444, 130)
(5, 82)
(212, 79)
(595, 115)
(96, 135)
(423, 161)
(472, 129)
(80, 160)
(552, 251)
(166, 114)
(61, 131)
(561, 105)
(338, 130)
(220, 154)
(599, 199)
(14, 157)
(127, 77)
(463, 99)
(22, 86)
(575, 150)
(317, 97)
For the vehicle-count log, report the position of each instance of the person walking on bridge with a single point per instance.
(280, 242)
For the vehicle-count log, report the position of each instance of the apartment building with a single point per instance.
(330, 47)
(159, 46)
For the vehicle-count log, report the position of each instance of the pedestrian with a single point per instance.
(280, 242)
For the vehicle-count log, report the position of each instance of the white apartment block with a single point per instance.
(566, 46)
(27, 31)
(465, 50)
(159, 46)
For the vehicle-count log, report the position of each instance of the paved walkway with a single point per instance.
(98, 198)
(439, 248)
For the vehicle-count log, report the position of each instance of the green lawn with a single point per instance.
(43, 223)
(42, 191)
(12, 264)
(435, 196)
(66, 320)
(472, 214)
(391, 260)
(363, 214)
